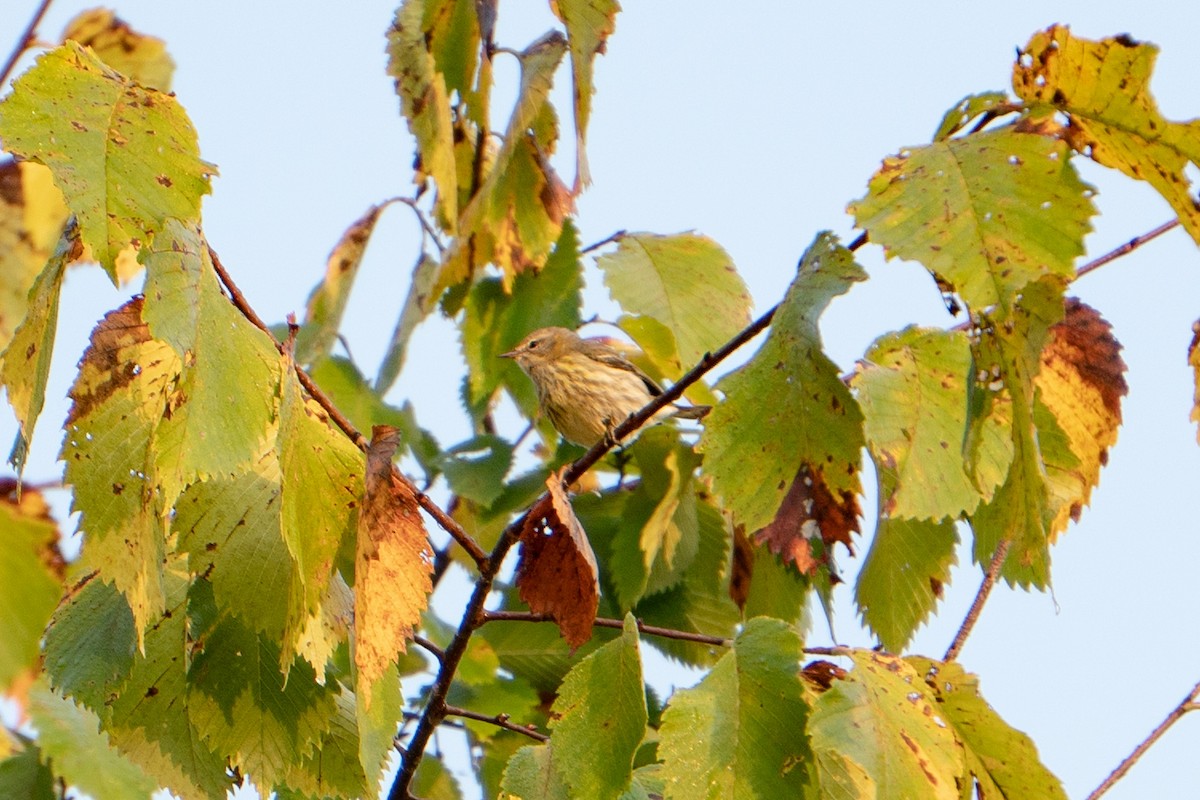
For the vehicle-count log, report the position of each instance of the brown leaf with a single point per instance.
(557, 573)
(392, 564)
(1082, 381)
(1194, 363)
(822, 673)
(742, 569)
(809, 511)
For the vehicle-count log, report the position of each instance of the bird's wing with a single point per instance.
(599, 351)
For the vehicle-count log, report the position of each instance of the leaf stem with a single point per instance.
(1126, 248)
(444, 520)
(28, 37)
(499, 720)
(603, 622)
(1187, 704)
(985, 589)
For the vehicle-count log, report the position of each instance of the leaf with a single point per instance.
(686, 282)
(32, 215)
(70, 738)
(220, 416)
(557, 572)
(31, 574)
(599, 718)
(24, 775)
(392, 565)
(589, 23)
(738, 733)
(90, 643)
(1004, 761)
(903, 574)
(327, 302)
(135, 55)
(378, 724)
(1104, 89)
(965, 110)
(811, 513)
(417, 304)
(531, 774)
(425, 103)
(753, 449)
(434, 781)
(118, 398)
(475, 469)
(333, 769)
(882, 717)
(25, 368)
(1081, 382)
(987, 214)
(496, 320)
(125, 157)
(658, 356)
(912, 387)
(536, 653)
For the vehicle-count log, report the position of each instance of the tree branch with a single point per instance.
(500, 720)
(1126, 248)
(444, 520)
(28, 37)
(1187, 704)
(603, 622)
(985, 589)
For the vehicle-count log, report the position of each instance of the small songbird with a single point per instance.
(586, 387)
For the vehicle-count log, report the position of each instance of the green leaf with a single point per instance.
(239, 701)
(221, 414)
(327, 301)
(882, 717)
(90, 643)
(777, 590)
(967, 109)
(425, 103)
(589, 23)
(333, 768)
(533, 774)
(738, 732)
(687, 282)
(417, 304)
(125, 157)
(434, 782)
(378, 724)
(70, 737)
(987, 214)
(659, 356)
(599, 718)
(496, 320)
(1104, 89)
(25, 367)
(24, 775)
(118, 399)
(1004, 761)
(29, 585)
(902, 576)
(912, 388)
(753, 449)
(475, 469)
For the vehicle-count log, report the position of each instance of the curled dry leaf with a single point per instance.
(810, 511)
(392, 564)
(557, 574)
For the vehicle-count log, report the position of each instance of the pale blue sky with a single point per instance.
(754, 127)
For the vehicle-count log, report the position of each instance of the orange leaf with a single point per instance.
(557, 574)
(392, 564)
(810, 511)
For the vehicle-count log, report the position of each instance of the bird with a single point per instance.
(586, 387)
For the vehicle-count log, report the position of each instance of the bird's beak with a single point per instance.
(509, 354)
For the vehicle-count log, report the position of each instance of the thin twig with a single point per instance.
(28, 37)
(985, 588)
(603, 622)
(499, 720)
(1187, 704)
(1128, 247)
(426, 227)
(607, 239)
(444, 520)
(429, 647)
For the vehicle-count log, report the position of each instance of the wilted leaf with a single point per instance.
(417, 304)
(987, 214)
(739, 732)
(965, 110)
(1104, 89)
(788, 406)
(1004, 761)
(135, 55)
(1081, 382)
(686, 282)
(392, 565)
(589, 23)
(810, 512)
(125, 157)
(557, 574)
(327, 302)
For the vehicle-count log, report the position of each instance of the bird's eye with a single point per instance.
(533, 345)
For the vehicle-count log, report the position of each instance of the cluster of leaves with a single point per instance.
(253, 571)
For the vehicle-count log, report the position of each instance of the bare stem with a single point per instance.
(603, 622)
(1128, 247)
(28, 37)
(499, 720)
(444, 520)
(985, 589)
(607, 239)
(1187, 704)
